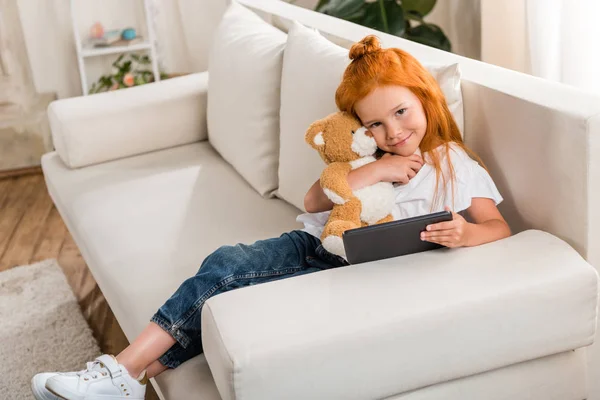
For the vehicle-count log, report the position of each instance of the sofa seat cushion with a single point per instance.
(144, 224)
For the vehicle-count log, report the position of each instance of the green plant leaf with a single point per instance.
(422, 7)
(429, 34)
(385, 16)
(390, 16)
(107, 81)
(357, 17)
(413, 16)
(117, 61)
(321, 4)
(126, 67)
(342, 8)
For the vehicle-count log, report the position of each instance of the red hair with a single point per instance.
(373, 67)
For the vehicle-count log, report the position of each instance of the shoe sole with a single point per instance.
(56, 394)
(75, 396)
(39, 395)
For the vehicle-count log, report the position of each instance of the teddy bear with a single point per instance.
(344, 144)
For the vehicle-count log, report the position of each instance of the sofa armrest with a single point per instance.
(377, 329)
(106, 126)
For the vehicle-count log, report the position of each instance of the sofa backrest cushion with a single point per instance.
(245, 64)
(312, 70)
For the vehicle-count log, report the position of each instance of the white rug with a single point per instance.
(41, 327)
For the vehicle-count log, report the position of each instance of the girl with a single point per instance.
(404, 109)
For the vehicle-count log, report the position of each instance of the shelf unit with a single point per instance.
(84, 52)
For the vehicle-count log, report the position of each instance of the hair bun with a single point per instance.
(370, 44)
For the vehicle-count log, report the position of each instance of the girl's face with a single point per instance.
(395, 117)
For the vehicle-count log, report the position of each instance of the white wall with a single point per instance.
(504, 34)
(555, 40)
(459, 19)
(199, 21)
(47, 31)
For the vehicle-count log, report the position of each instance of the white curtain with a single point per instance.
(563, 38)
(185, 30)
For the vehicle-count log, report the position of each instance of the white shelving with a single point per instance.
(102, 51)
(84, 52)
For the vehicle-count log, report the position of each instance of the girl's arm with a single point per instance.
(315, 199)
(389, 168)
(488, 226)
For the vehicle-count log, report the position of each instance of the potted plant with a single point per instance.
(401, 18)
(129, 70)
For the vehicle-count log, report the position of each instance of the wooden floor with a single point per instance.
(31, 230)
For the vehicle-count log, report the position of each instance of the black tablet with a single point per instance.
(390, 239)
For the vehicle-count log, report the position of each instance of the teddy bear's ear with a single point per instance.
(314, 135)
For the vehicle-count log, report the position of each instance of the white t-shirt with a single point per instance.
(416, 197)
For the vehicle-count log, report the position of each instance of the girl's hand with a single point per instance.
(398, 169)
(451, 234)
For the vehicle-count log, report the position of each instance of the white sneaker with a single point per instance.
(38, 386)
(103, 379)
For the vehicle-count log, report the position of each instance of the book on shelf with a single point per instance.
(107, 39)
(117, 43)
(124, 42)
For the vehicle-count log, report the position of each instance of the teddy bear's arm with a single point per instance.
(334, 182)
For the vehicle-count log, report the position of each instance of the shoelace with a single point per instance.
(93, 370)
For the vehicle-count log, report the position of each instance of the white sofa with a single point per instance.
(147, 197)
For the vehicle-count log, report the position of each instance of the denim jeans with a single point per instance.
(231, 267)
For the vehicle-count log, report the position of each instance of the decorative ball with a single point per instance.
(97, 30)
(128, 34)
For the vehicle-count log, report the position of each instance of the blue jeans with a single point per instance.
(231, 267)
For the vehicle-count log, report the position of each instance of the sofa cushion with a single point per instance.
(312, 70)
(144, 224)
(107, 126)
(371, 330)
(244, 95)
